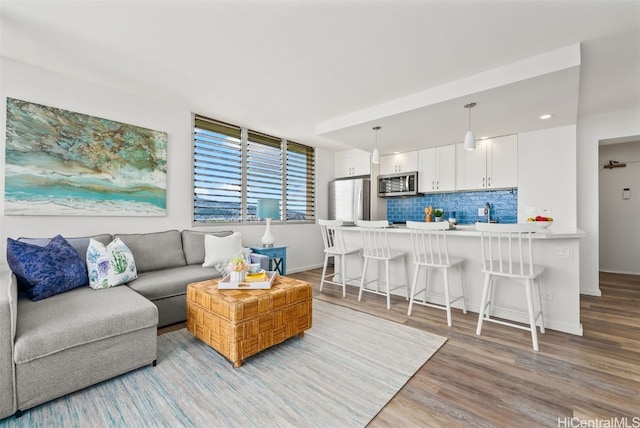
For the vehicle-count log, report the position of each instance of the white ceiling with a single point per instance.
(325, 72)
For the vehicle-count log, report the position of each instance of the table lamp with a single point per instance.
(267, 210)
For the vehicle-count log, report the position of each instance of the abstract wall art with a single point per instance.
(59, 162)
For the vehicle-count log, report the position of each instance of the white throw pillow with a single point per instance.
(111, 265)
(219, 251)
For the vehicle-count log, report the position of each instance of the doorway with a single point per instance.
(619, 205)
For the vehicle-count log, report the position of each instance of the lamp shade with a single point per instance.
(469, 141)
(268, 208)
(375, 158)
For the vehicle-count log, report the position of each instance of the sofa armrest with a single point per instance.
(262, 259)
(8, 313)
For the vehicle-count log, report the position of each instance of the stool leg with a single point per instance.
(447, 299)
(386, 265)
(532, 316)
(364, 270)
(483, 302)
(406, 277)
(426, 285)
(343, 274)
(324, 270)
(464, 303)
(413, 288)
(539, 294)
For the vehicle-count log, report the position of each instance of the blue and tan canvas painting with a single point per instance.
(63, 163)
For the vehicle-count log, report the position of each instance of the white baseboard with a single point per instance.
(303, 268)
(620, 272)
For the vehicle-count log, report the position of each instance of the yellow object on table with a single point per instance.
(427, 212)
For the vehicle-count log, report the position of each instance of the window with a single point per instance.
(301, 195)
(234, 167)
(217, 172)
(264, 171)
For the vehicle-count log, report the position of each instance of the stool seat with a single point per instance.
(507, 252)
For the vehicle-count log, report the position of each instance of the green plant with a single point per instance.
(438, 212)
(119, 261)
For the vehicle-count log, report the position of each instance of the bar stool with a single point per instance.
(376, 247)
(507, 254)
(335, 246)
(430, 251)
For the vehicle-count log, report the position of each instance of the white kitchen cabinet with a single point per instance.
(492, 165)
(437, 169)
(351, 163)
(399, 162)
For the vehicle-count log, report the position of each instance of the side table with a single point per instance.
(277, 257)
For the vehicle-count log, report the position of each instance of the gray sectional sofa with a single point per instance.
(52, 347)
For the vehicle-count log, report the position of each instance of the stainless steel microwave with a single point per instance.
(401, 184)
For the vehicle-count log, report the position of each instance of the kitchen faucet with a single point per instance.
(487, 211)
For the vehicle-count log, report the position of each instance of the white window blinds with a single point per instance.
(300, 184)
(234, 167)
(217, 171)
(264, 171)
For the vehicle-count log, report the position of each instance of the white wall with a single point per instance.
(547, 174)
(619, 229)
(28, 83)
(591, 130)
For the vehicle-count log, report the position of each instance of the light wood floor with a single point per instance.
(498, 380)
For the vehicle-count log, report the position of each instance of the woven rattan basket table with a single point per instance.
(241, 323)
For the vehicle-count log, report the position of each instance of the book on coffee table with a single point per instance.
(260, 281)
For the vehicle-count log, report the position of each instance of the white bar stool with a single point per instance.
(335, 246)
(376, 247)
(507, 253)
(430, 251)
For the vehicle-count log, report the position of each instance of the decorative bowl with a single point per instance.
(543, 224)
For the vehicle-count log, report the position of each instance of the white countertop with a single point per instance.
(553, 232)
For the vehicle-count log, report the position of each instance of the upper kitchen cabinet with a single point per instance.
(399, 162)
(351, 163)
(437, 169)
(492, 165)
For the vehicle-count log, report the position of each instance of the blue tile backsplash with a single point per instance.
(504, 206)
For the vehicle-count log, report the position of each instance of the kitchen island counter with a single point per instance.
(557, 249)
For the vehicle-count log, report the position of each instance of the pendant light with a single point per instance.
(470, 139)
(375, 157)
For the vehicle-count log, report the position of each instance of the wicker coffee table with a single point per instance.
(241, 323)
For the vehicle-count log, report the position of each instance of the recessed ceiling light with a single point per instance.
(546, 116)
(396, 153)
(483, 138)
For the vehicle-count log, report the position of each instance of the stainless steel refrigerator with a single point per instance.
(350, 199)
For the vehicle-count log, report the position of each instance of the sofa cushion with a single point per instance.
(172, 282)
(78, 317)
(193, 244)
(79, 243)
(155, 251)
(218, 251)
(46, 271)
(111, 265)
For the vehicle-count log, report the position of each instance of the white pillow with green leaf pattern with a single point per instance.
(111, 265)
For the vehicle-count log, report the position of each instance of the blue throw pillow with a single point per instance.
(46, 271)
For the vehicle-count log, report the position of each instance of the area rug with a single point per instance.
(341, 373)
